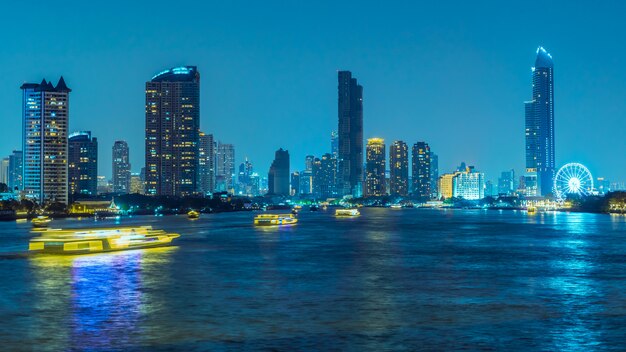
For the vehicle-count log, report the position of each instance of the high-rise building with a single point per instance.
(540, 155)
(225, 167)
(506, 182)
(399, 168)
(45, 117)
(325, 177)
(121, 167)
(295, 183)
(16, 170)
(306, 176)
(278, 176)
(206, 164)
(446, 186)
(434, 174)
(172, 131)
(334, 144)
(244, 185)
(350, 135)
(136, 184)
(82, 163)
(375, 168)
(4, 171)
(467, 184)
(420, 172)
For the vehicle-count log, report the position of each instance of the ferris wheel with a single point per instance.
(573, 179)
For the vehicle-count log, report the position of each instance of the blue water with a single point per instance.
(392, 279)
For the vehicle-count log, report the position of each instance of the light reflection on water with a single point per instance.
(388, 280)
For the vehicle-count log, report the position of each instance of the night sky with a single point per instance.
(455, 75)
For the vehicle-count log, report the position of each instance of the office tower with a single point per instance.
(490, 190)
(225, 167)
(104, 185)
(399, 169)
(375, 168)
(434, 174)
(45, 117)
(445, 186)
(244, 185)
(121, 167)
(421, 170)
(540, 155)
(172, 131)
(506, 182)
(82, 163)
(295, 183)
(350, 135)
(16, 170)
(206, 164)
(306, 176)
(136, 184)
(334, 144)
(4, 171)
(278, 176)
(325, 177)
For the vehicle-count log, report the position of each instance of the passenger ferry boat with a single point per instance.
(347, 212)
(274, 220)
(41, 221)
(95, 240)
(192, 214)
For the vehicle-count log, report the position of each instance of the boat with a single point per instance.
(395, 206)
(41, 221)
(96, 240)
(531, 209)
(274, 220)
(347, 212)
(192, 214)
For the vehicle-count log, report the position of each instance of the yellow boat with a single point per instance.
(274, 219)
(347, 212)
(192, 214)
(95, 240)
(531, 209)
(41, 221)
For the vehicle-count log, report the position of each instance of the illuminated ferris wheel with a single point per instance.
(572, 179)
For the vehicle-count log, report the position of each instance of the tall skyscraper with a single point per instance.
(399, 168)
(45, 117)
(4, 171)
(121, 167)
(540, 155)
(16, 170)
(325, 177)
(375, 167)
(295, 183)
(434, 175)
(244, 179)
(506, 182)
(172, 131)
(306, 176)
(225, 167)
(421, 170)
(82, 163)
(334, 144)
(206, 164)
(350, 135)
(278, 176)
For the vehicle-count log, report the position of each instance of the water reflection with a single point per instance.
(94, 301)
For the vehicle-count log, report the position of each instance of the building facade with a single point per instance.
(121, 167)
(420, 172)
(172, 131)
(206, 164)
(16, 170)
(375, 168)
(325, 177)
(350, 135)
(539, 133)
(45, 121)
(225, 168)
(434, 174)
(399, 169)
(278, 176)
(82, 164)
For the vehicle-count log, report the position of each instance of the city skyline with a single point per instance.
(583, 78)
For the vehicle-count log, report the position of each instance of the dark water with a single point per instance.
(389, 280)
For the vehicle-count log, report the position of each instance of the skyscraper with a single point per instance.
(225, 167)
(4, 171)
(334, 144)
(350, 135)
(82, 163)
(206, 164)
(45, 117)
(306, 176)
(399, 168)
(506, 182)
(421, 170)
(375, 167)
(278, 176)
(325, 176)
(16, 170)
(121, 167)
(172, 131)
(540, 155)
(434, 175)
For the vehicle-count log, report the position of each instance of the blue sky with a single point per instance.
(454, 74)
